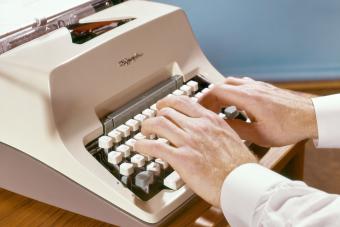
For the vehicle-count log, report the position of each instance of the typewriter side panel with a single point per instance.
(25, 177)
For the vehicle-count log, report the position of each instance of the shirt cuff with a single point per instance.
(327, 110)
(243, 189)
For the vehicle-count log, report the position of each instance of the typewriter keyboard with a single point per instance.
(145, 176)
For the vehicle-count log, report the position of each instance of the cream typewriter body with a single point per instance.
(61, 100)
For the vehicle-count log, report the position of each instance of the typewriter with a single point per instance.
(75, 88)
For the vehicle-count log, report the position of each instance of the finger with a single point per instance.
(182, 104)
(157, 149)
(211, 102)
(229, 95)
(163, 127)
(238, 81)
(176, 117)
(249, 79)
(247, 131)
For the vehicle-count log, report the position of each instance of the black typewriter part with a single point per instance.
(82, 33)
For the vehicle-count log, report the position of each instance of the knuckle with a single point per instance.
(215, 90)
(218, 87)
(185, 148)
(248, 79)
(230, 78)
(182, 100)
(212, 117)
(203, 126)
(172, 101)
(251, 90)
(165, 112)
(159, 146)
(146, 124)
(160, 105)
(188, 138)
(167, 101)
(145, 130)
(227, 80)
(224, 132)
(161, 122)
(270, 86)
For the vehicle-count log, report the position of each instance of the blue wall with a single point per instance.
(269, 39)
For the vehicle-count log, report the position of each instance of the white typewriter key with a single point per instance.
(222, 115)
(211, 86)
(140, 118)
(198, 95)
(139, 136)
(194, 99)
(133, 124)
(116, 136)
(163, 164)
(143, 180)
(154, 167)
(138, 160)
(149, 113)
(186, 89)
(131, 144)
(162, 140)
(124, 129)
(124, 149)
(193, 85)
(105, 142)
(126, 169)
(173, 181)
(115, 157)
(205, 90)
(154, 107)
(231, 112)
(178, 93)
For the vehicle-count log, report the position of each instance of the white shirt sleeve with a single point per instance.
(327, 109)
(255, 196)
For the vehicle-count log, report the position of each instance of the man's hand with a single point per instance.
(279, 117)
(203, 150)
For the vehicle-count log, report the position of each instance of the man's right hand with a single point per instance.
(279, 117)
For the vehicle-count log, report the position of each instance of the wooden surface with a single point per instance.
(315, 87)
(16, 210)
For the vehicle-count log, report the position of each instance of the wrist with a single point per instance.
(311, 124)
(245, 157)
